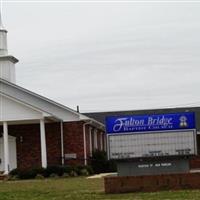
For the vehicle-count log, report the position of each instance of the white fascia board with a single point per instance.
(95, 123)
(9, 57)
(99, 124)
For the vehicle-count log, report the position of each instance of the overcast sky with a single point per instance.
(107, 56)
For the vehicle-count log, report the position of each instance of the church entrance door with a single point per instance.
(12, 153)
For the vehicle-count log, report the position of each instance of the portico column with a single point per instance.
(105, 142)
(101, 141)
(95, 140)
(43, 144)
(90, 135)
(6, 148)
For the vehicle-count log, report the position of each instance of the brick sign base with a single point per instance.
(123, 184)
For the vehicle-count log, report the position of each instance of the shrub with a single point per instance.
(58, 170)
(27, 174)
(67, 169)
(39, 176)
(100, 163)
(53, 175)
(13, 177)
(73, 173)
(38, 170)
(52, 171)
(84, 172)
(81, 169)
(90, 170)
(78, 169)
(65, 175)
(14, 172)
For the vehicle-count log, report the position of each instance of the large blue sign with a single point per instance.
(142, 123)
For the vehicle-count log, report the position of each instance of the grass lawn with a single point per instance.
(80, 189)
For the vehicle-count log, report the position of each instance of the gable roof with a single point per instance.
(41, 103)
(14, 111)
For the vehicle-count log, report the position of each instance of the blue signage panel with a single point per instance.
(142, 123)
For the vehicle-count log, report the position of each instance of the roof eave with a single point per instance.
(9, 57)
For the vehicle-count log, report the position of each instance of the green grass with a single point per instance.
(79, 189)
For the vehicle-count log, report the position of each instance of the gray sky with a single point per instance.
(107, 56)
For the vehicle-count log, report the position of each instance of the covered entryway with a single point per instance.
(12, 153)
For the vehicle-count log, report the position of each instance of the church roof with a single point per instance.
(43, 104)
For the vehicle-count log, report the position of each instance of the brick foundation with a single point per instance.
(195, 162)
(152, 183)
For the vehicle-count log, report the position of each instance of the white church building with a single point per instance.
(36, 131)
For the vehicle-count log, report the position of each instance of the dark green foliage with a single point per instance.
(89, 169)
(14, 172)
(39, 170)
(100, 163)
(78, 169)
(27, 174)
(51, 171)
(58, 170)
(68, 169)
(39, 176)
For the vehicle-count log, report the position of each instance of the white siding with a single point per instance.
(7, 70)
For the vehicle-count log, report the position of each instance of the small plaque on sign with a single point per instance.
(70, 156)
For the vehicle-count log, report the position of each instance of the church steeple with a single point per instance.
(3, 38)
(1, 24)
(7, 62)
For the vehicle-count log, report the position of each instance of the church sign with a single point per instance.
(137, 136)
(138, 123)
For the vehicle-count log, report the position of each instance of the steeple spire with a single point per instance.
(3, 35)
(1, 23)
(7, 62)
